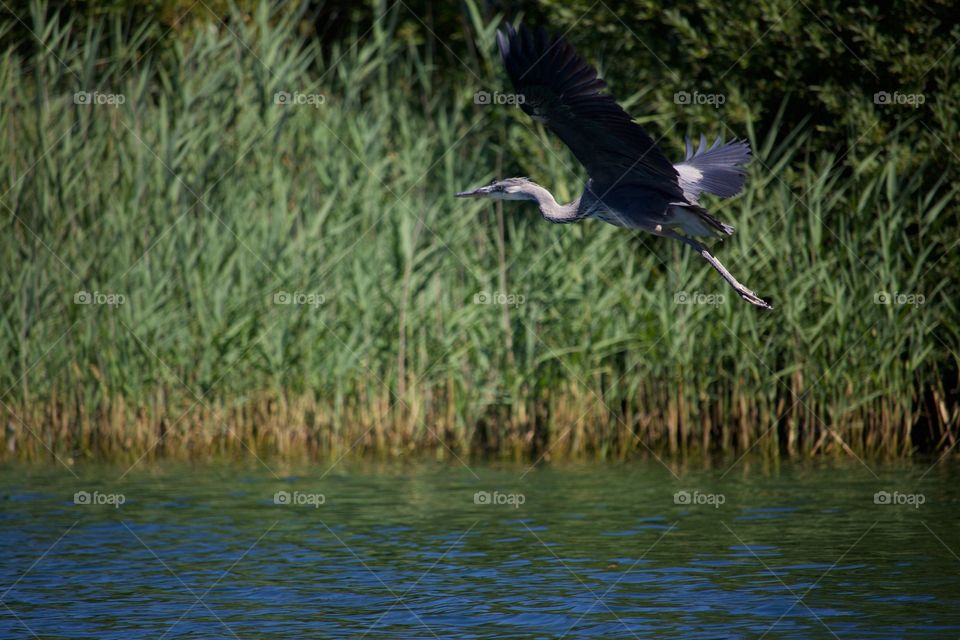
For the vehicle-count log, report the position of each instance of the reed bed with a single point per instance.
(210, 267)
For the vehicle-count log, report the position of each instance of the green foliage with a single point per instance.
(826, 60)
(202, 201)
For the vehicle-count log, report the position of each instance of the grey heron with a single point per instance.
(630, 182)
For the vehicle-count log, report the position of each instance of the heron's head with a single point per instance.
(509, 189)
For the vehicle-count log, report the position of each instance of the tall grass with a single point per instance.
(203, 203)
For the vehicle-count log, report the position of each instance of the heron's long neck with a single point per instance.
(550, 208)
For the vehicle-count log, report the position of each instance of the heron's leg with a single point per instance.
(745, 293)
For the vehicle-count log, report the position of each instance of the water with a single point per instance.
(602, 550)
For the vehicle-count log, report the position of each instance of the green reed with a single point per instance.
(298, 277)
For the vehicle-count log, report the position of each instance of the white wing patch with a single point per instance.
(688, 173)
(689, 177)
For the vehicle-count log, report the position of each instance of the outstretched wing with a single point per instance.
(560, 89)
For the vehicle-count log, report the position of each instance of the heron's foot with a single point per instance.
(753, 298)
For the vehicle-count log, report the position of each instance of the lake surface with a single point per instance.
(426, 550)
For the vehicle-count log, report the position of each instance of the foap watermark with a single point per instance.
(100, 298)
(695, 498)
(299, 499)
(498, 297)
(498, 98)
(716, 100)
(896, 498)
(85, 498)
(95, 98)
(299, 298)
(682, 297)
(897, 297)
(900, 99)
(495, 497)
(315, 100)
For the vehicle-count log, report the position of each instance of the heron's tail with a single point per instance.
(694, 220)
(718, 169)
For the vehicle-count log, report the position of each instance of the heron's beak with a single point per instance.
(475, 193)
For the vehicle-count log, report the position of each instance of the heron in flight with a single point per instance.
(631, 183)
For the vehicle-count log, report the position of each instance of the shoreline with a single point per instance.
(565, 428)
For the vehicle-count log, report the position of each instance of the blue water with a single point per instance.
(412, 551)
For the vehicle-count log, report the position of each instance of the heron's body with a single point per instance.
(624, 207)
(631, 184)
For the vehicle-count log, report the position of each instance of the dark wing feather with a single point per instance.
(561, 89)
